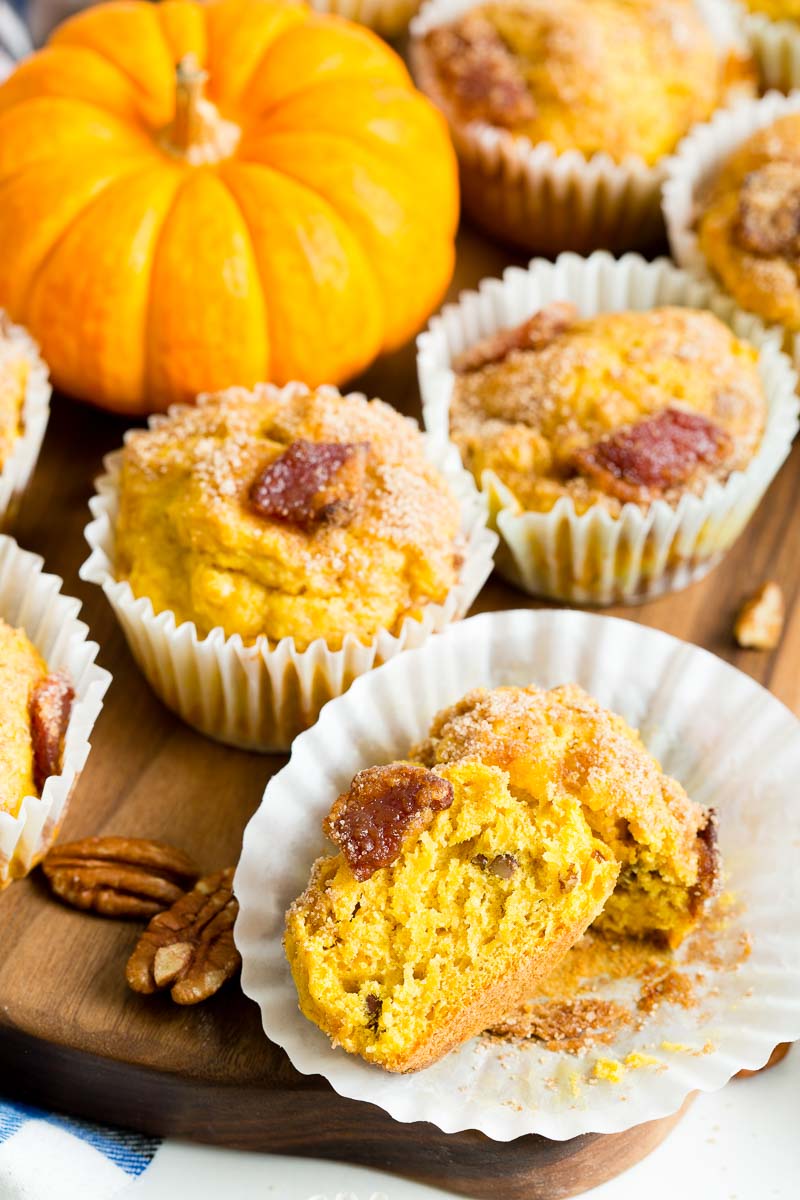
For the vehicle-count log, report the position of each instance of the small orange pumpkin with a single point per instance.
(197, 195)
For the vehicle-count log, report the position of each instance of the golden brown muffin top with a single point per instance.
(628, 77)
(564, 741)
(308, 515)
(749, 222)
(622, 407)
(14, 370)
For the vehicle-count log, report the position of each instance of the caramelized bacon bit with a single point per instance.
(312, 483)
(708, 865)
(480, 72)
(769, 210)
(384, 804)
(534, 334)
(50, 708)
(654, 455)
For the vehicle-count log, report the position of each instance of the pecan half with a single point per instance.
(119, 877)
(50, 708)
(312, 483)
(189, 948)
(384, 804)
(759, 624)
(534, 334)
(655, 454)
(769, 210)
(480, 73)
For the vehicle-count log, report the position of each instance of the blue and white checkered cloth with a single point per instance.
(47, 1157)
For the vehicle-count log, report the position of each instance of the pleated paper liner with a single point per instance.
(33, 601)
(593, 557)
(698, 159)
(537, 198)
(19, 466)
(259, 696)
(732, 745)
(389, 18)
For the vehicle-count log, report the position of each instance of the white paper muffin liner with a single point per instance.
(259, 696)
(20, 464)
(596, 558)
(732, 745)
(698, 159)
(542, 200)
(32, 600)
(776, 47)
(390, 18)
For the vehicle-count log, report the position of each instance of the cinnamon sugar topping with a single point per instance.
(475, 63)
(534, 334)
(769, 210)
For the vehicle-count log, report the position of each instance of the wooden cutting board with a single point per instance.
(73, 1037)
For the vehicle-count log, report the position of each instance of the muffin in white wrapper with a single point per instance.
(732, 745)
(594, 557)
(260, 695)
(776, 46)
(389, 18)
(543, 200)
(700, 156)
(32, 601)
(19, 466)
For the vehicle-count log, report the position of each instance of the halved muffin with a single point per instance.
(449, 897)
(561, 746)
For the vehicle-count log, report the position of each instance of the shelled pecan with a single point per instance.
(50, 708)
(189, 949)
(119, 876)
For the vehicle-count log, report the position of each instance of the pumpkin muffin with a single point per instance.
(34, 712)
(451, 894)
(286, 515)
(622, 77)
(561, 747)
(628, 407)
(14, 372)
(748, 223)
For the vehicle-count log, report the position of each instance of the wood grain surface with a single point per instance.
(73, 1036)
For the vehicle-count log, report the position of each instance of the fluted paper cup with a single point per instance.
(260, 695)
(734, 748)
(538, 198)
(594, 557)
(20, 464)
(775, 46)
(32, 601)
(389, 18)
(700, 156)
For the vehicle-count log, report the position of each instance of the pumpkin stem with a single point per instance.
(198, 134)
(188, 127)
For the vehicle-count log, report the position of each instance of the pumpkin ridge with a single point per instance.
(363, 144)
(57, 39)
(346, 78)
(253, 164)
(118, 128)
(105, 65)
(330, 209)
(22, 311)
(149, 342)
(256, 264)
